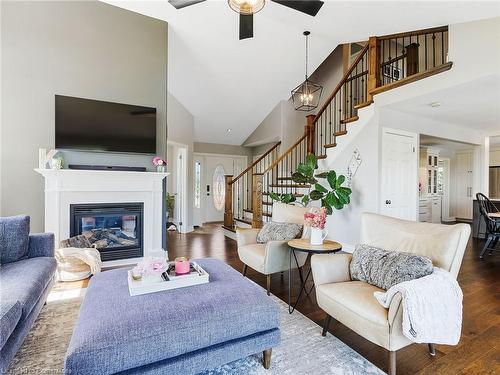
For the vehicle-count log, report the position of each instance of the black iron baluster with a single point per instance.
(433, 50)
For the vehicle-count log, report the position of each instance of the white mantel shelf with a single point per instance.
(64, 187)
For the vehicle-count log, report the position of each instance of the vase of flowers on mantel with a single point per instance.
(325, 187)
(160, 164)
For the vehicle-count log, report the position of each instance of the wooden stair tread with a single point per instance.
(363, 105)
(321, 157)
(231, 228)
(350, 119)
(284, 178)
(246, 221)
(298, 186)
(340, 133)
(330, 145)
(296, 195)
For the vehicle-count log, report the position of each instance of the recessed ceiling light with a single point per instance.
(435, 104)
(229, 130)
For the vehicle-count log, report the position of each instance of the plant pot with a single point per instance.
(318, 236)
(160, 168)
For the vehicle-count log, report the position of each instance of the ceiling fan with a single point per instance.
(247, 8)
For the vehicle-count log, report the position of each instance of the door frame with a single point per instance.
(180, 184)
(415, 164)
(201, 156)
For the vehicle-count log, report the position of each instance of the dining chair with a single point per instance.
(492, 234)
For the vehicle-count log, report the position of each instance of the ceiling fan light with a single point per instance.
(246, 7)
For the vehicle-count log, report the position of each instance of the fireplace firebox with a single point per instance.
(115, 229)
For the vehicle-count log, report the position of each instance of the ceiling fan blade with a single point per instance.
(310, 7)
(246, 26)
(178, 4)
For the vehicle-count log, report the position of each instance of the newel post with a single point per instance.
(373, 66)
(412, 59)
(311, 134)
(257, 180)
(228, 203)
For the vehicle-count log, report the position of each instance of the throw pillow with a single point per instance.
(274, 231)
(14, 238)
(384, 268)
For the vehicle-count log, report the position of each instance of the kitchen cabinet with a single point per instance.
(464, 179)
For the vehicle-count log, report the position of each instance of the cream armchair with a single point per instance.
(273, 256)
(352, 302)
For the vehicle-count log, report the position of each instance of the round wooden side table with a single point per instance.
(303, 245)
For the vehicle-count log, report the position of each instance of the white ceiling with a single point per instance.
(427, 140)
(474, 104)
(228, 83)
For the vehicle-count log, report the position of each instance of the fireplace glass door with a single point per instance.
(114, 229)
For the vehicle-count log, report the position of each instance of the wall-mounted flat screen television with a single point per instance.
(94, 125)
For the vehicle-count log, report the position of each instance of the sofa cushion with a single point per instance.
(14, 238)
(384, 268)
(274, 231)
(25, 281)
(135, 331)
(10, 314)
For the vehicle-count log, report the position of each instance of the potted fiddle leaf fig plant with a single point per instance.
(326, 187)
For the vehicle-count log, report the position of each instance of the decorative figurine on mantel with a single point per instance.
(159, 163)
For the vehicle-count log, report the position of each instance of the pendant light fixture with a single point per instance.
(306, 95)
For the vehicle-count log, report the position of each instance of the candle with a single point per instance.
(181, 265)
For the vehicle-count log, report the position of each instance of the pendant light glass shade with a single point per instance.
(246, 7)
(306, 96)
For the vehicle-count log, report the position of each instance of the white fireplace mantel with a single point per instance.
(64, 187)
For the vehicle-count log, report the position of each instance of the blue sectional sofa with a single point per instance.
(27, 273)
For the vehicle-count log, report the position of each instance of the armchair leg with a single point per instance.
(392, 363)
(432, 349)
(326, 324)
(245, 269)
(268, 285)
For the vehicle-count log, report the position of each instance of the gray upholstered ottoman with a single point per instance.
(181, 331)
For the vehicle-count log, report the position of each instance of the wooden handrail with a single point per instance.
(341, 83)
(290, 149)
(255, 163)
(414, 33)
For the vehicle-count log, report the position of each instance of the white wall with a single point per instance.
(344, 225)
(495, 156)
(84, 49)
(180, 130)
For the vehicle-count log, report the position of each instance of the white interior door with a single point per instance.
(216, 167)
(399, 192)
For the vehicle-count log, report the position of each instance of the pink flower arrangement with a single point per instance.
(157, 161)
(150, 266)
(315, 218)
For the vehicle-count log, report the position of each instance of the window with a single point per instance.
(197, 184)
(219, 188)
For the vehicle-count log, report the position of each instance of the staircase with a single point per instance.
(385, 63)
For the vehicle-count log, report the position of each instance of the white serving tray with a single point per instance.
(153, 285)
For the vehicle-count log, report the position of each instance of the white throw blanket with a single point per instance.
(432, 307)
(90, 256)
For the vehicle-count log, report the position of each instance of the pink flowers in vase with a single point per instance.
(150, 266)
(315, 218)
(159, 163)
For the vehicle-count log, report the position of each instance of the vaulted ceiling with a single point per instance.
(228, 83)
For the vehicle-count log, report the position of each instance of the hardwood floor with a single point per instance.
(477, 353)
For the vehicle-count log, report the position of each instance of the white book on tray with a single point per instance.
(158, 283)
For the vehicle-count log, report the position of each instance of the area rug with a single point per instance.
(302, 351)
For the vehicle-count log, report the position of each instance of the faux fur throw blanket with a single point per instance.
(432, 307)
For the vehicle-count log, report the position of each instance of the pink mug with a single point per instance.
(181, 265)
